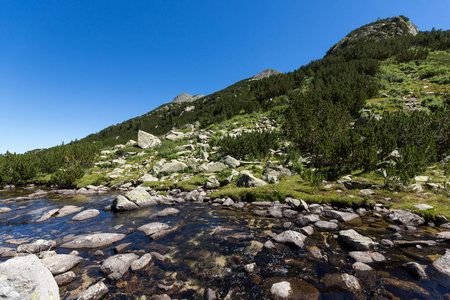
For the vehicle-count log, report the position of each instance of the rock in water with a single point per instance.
(356, 241)
(94, 292)
(442, 264)
(68, 210)
(291, 237)
(405, 217)
(61, 263)
(36, 247)
(281, 289)
(92, 241)
(147, 140)
(26, 277)
(87, 214)
(115, 266)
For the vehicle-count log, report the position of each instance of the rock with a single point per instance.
(140, 197)
(415, 243)
(211, 295)
(444, 235)
(17, 241)
(367, 192)
(216, 167)
(423, 206)
(367, 257)
(228, 202)
(61, 263)
(359, 266)
(170, 211)
(307, 230)
(120, 248)
(421, 178)
(315, 253)
(65, 278)
(36, 247)
(275, 211)
(339, 215)
(159, 257)
(326, 225)
(442, 264)
(94, 292)
(121, 203)
(173, 166)
(118, 264)
(281, 289)
(231, 162)
(96, 240)
(47, 215)
(250, 268)
(305, 220)
(356, 241)
(142, 262)
(387, 243)
(147, 140)
(415, 269)
(68, 210)
(266, 73)
(148, 178)
(291, 237)
(4, 210)
(87, 214)
(296, 203)
(152, 228)
(405, 217)
(248, 180)
(26, 277)
(344, 281)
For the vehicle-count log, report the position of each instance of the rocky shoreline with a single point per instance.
(299, 220)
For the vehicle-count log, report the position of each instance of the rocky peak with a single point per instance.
(265, 73)
(185, 97)
(379, 30)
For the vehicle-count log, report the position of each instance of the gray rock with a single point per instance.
(121, 203)
(170, 211)
(356, 241)
(444, 235)
(307, 230)
(142, 262)
(405, 217)
(281, 289)
(340, 215)
(140, 197)
(4, 210)
(305, 220)
(121, 247)
(94, 292)
(68, 210)
(359, 266)
(118, 264)
(147, 140)
(26, 277)
(173, 166)
(65, 278)
(266, 73)
(296, 203)
(415, 269)
(326, 225)
(152, 228)
(275, 211)
(87, 214)
(36, 247)
(92, 241)
(291, 237)
(148, 178)
(160, 257)
(46, 216)
(61, 263)
(442, 264)
(211, 295)
(387, 243)
(423, 206)
(248, 180)
(367, 192)
(367, 257)
(216, 167)
(17, 241)
(231, 162)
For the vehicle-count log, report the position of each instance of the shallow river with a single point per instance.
(203, 255)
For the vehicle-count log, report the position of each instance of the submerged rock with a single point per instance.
(26, 277)
(92, 241)
(65, 278)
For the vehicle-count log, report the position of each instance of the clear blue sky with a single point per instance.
(71, 68)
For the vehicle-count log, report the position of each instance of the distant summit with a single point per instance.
(184, 97)
(379, 30)
(265, 73)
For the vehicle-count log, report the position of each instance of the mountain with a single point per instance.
(184, 97)
(266, 73)
(379, 30)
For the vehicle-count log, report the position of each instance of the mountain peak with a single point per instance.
(379, 30)
(185, 97)
(265, 73)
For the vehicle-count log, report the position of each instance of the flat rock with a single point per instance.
(326, 225)
(85, 215)
(46, 216)
(305, 220)
(4, 210)
(359, 266)
(68, 210)
(366, 257)
(442, 264)
(26, 277)
(173, 166)
(118, 264)
(152, 228)
(291, 237)
(142, 262)
(96, 240)
(170, 211)
(356, 241)
(405, 217)
(122, 247)
(426, 243)
(36, 247)
(65, 278)
(275, 211)
(340, 215)
(147, 140)
(61, 263)
(17, 241)
(423, 206)
(444, 235)
(94, 292)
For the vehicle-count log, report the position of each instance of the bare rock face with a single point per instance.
(147, 140)
(26, 277)
(266, 73)
(97, 240)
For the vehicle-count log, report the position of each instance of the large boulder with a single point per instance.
(291, 237)
(26, 277)
(216, 167)
(140, 197)
(231, 162)
(172, 167)
(147, 140)
(121, 203)
(92, 241)
(442, 264)
(247, 179)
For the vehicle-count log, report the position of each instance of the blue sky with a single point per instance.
(71, 68)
